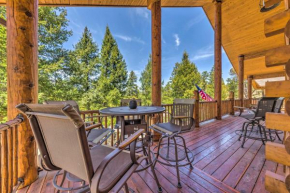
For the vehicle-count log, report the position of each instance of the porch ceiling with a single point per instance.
(121, 3)
(243, 34)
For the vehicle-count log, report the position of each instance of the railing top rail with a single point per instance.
(11, 123)
(207, 101)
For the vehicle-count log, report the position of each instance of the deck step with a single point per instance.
(220, 185)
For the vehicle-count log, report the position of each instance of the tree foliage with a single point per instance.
(132, 87)
(146, 83)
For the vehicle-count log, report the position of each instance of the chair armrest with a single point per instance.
(100, 170)
(130, 139)
(93, 126)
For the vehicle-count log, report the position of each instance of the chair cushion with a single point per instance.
(168, 128)
(96, 135)
(114, 170)
(248, 115)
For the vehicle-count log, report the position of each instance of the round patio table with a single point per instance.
(121, 112)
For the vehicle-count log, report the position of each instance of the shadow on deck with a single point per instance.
(220, 165)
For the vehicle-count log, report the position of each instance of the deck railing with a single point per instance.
(9, 154)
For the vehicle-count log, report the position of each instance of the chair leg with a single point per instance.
(278, 135)
(242, 131)
(168, 143)
(261, 134)
(62, 180)
(156, 179)
(177, 168)
(270, 134)
(126, 188)
(158, 151)
(185, 149)
(245, 134)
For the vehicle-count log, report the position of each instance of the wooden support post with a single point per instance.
(241, 79)
(232, 99)
(22, 82)
(196, 108)
(218, 58)
(250, 86)
(156, 57)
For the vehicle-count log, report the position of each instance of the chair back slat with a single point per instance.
(184, 107)
(70, 102)
(61, 138)
(265, 104)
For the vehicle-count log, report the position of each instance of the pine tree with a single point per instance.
(113, 77)
(210, 86)
(146, 82)
(184, 77)
(232, 82)
(132, 87)
(53, 33)
(204, 80)
(84, 64)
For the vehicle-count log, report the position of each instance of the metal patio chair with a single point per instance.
(254, 119)
(61, 138)
(277, 109)
(181, 121)
(96, 133)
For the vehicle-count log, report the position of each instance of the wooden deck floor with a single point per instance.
(220, 165)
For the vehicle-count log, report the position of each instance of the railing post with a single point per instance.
(232, 99)
(196, 108)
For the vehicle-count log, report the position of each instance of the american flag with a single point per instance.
(203, 95)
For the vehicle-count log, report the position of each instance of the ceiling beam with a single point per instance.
(271, 75)
(3, 22)
(254, 55)
(277, 56)
(269, 3)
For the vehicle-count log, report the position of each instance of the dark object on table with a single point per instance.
(254, 119)
(104, 168)
(181, 121)
(133, 104)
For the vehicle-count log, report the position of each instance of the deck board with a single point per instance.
(220, 165)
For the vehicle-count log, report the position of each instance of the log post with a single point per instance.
(156, 55)
(232, 99)
(241, 79)
(196, 108)
(22, 77)
(250, 87)
(218, 58)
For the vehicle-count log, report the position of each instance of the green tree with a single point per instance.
(232, 82)
(84, 68)
(210, 87)
(167, 94)
(132, 87)
(146, 83)
(113, 77)
(184, 77)
(204, 80)
(53, 33)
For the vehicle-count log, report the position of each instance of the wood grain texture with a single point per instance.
(196, 108)
(119, 3)
(287, 30)
(218, 58)
(277, 56)
(287, 68)
(269, 75)
(22, 81)
(269, 3)
(287, 144)
(156, 53)
(250, 87)
(241, 79)
(287, 107)
(277, 153)
(277, 89)
(275, 24)
(278, 121)
(275, 183)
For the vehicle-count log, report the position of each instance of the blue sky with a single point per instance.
(182, 29)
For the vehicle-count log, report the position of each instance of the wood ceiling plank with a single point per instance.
(270, 75)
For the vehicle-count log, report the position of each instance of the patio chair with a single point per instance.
(94, 136)
(181, 121)
(61, 137)
(254, 118)
(277, 109)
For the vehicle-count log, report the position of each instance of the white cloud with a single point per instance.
(130, 39)
(203, 53)
(195, 20)
(177, 40)
(143, 12)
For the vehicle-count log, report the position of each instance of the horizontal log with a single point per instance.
(275, 25)
(287, 107)
(287, 144)
(287, 30)
(277, 153)
(287, 68)
(270, 75)
(278, 121)
(277, 56)
(275, 183)
(277, 89)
